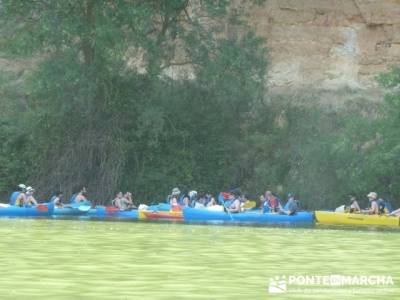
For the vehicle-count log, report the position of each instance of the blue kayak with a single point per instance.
(250, 217)
(40, 210)
(71, 210)
(110, 212)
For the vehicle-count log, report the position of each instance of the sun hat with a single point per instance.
(22, 186)
(30, 189)
(192, 194)
(175, 191)
(372, 195)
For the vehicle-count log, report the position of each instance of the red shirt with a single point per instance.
(273, 202)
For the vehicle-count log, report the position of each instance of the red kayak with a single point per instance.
(164, 215)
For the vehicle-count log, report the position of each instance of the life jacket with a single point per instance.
(14, 197)
(223, 199)
(273, 202)
(18, 201)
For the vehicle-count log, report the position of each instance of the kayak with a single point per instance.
(329, 217)
(71, 211)
(40, 210)
(159, 207)
(248, 217)
(162, 215)
(111, 212)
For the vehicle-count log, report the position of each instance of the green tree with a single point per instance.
(139, 95)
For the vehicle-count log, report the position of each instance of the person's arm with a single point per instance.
(395, 212)
(57, 202)
(235, 206)
(375, 208)
(33, 200)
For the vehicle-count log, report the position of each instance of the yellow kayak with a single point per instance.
(329, 217)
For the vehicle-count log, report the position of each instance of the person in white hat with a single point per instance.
(174, 197)
(374, 210)
(30, 200)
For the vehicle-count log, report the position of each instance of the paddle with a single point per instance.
(249, 204)
(84, 208)
(42, 208)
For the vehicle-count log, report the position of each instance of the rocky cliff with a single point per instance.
(328, 44)
(319, 45)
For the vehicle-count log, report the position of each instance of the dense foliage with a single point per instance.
(147, 95)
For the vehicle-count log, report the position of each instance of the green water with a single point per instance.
(65, 259)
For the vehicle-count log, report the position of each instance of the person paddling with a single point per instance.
(291, 206)
(128, 201)
(117, 201)
(20, 189)
(272, 201)
(79, 197)
(354, 207)
(173, 199)
(21, 198)
(374, 209)
(56, 199)
(30, 199)
(235, 206)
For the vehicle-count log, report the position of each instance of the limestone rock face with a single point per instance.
(328, 44)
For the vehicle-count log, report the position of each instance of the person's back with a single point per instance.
(14, 196)
(56, 200)
(292, 207)
(79, 197)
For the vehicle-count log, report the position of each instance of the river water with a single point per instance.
(70, 259)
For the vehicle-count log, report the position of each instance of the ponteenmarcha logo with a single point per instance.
(277, 285)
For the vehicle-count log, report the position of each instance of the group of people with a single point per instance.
(377, 206)
(23, 196)
(191, 199)
(270, 202)
(123, 201)
(233, 202)
(78, 198)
